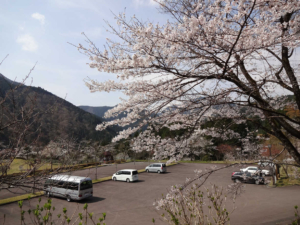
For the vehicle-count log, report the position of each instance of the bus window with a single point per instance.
(72, 186)
(86, 185)
(48, 182)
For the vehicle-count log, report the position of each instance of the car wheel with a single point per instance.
(147, 171)
(158, 171)
(114, 179)
(68, 198)
(48, 194)
(127, 180)
(257, 182)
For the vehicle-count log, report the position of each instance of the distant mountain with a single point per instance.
(64, 118)
(98, 110)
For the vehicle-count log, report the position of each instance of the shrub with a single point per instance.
(44, 214)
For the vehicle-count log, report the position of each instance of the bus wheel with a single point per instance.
(68, 198)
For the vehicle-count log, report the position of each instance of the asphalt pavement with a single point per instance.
(132, 203)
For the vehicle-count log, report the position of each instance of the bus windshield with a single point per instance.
(86, 185)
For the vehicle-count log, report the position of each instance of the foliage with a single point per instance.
(297, 216)
(45, 214)
(123, 147)
(193, 206)
(62, 119)
(292, 112)
(211, 59)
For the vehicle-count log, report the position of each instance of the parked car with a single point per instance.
(157, 168)
(265, 163)
(237, 177)
(256, 178)
(254, 169)
(128, 175)
(247, 177)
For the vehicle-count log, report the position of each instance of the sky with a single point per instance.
(38, 32)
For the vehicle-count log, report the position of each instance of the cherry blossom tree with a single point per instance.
(227, 58)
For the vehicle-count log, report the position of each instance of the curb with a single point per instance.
(41, 193)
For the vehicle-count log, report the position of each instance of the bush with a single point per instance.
(45, 214)
(109, 162)
(206, 158)
(118, 161)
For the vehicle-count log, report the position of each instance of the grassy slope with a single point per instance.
(284, 180)
(18, 163)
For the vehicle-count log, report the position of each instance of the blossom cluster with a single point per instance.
(214, 58)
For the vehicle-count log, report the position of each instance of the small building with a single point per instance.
(107, 156)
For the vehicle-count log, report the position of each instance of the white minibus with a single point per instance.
(69, 187)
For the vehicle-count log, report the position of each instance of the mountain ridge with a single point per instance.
(65, 118)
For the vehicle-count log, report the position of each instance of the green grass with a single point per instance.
(142, 160)
(18, 163)
(284, 180)
(287, 181)
(197, 161)
(20, 197)
(101, 180)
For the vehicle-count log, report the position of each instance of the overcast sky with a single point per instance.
(38, 31)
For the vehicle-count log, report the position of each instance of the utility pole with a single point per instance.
(270, 147)
(33, 189)
(96, 165)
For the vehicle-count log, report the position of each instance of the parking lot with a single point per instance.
(132, 203)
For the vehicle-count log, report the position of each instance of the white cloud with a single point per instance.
(28, 43)
(39, 17)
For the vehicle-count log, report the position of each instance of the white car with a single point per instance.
(265, 163)
(254, 169)
(127, 175)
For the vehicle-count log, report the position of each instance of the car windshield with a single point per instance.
(134, 172)
(86, 185)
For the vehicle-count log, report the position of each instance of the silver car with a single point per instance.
(156, 168)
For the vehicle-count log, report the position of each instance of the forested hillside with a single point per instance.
(58, 118)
